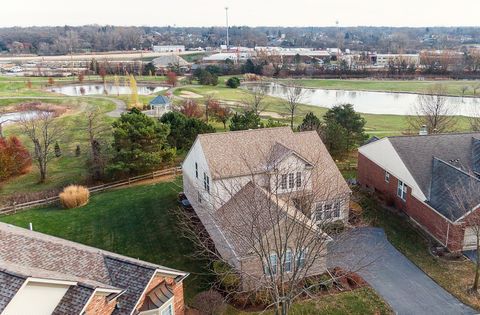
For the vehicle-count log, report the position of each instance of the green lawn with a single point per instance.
(138, 222)
(68, 168)
(454, 276)
(360, 301)
(413, 86)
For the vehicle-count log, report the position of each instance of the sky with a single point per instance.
(241, 12)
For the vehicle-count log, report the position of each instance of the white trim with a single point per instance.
(50, 281)
(468, 213)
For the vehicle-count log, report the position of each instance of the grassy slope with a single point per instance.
(455, 276)
(68, 168)
(453, 87)
(138, 222)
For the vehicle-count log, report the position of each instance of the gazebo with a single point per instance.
(161, 104)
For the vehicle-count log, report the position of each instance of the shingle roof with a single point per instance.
(159, 100)
(417, 152)
(9, 285)
(34, 254)
(73, 301)
(253, 211)
(241, 153)
(445, 179)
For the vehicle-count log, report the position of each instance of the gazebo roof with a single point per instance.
(160, 100)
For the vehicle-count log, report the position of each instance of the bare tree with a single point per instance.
(433, 111)
(255, 100)
(270, 228)
(294, 94)
(96, 129)
(464, 89)
(465, 197)
(475, 88)
(43, 130)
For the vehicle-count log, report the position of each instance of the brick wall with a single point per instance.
(99, 305)
(371, 176)
(179, 303)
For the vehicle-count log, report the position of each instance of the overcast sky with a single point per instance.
(242, 12)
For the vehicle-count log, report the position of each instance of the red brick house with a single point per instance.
(417, 174)
(41, 274)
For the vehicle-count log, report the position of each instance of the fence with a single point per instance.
(94, 189)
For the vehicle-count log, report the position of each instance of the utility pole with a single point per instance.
(226, 15)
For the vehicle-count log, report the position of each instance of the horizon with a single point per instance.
(308, 13)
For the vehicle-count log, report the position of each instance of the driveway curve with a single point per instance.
(401, 283)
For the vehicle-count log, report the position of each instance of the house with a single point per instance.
(160, 105)
(42, 274)
(420, 174)
(237, 180)
(166, 63)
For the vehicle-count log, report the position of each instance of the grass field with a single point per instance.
(454, 276)
(412, 86)
(138, 222)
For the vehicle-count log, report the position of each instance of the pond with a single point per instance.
(10, 118)
(367, 102)
(101, 89)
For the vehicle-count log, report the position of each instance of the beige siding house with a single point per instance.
(247, 187)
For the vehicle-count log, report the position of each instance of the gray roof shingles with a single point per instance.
(9, 285)
(73, 301)
(33, 254)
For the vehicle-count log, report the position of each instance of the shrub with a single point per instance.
(77, 151)
(229, 280)
(209, 303)
(74, 196)
(14, 158)
(233, 82)
(335, 227)
(58, 151)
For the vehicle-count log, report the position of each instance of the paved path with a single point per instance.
(401, 283)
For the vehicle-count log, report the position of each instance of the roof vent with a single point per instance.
(423, 131)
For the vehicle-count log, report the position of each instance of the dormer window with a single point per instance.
(299, 179)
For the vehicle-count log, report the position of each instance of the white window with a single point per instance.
(402, 190)
(327, 210)
(299, 179)
(301, 258)
(283, 182)
(273, 263)
(206, 182)
(387, 177)
(168, 310)
(291, 180)
(196, 170)
(287, 264)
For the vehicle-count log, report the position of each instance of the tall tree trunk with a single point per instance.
(291, 119)
(477, 266)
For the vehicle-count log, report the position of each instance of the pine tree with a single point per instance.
(78, 151)
(58, 151)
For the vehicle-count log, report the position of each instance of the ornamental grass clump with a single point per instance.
(74, 196)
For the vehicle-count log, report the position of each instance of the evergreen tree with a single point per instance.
(77, 151)
(245, 121)
(58, 152)
(310, 122)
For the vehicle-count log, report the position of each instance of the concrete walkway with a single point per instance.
(401, 283)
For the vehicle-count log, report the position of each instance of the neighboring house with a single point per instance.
(420, 175)
(168, 48)
(160, 105)
(43, 275)
(236, 180)
(166, 63)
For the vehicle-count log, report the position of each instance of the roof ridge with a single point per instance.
(58, 240)
(437, 134)
(241, 131)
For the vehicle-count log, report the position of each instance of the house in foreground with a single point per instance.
(43, 275)
(247, 186)
(425, 176)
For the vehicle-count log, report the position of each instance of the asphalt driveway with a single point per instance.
(403, 285)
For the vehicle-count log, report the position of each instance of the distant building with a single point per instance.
(222, 57)
(382, 60)
(167, 62)
(168, 48)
